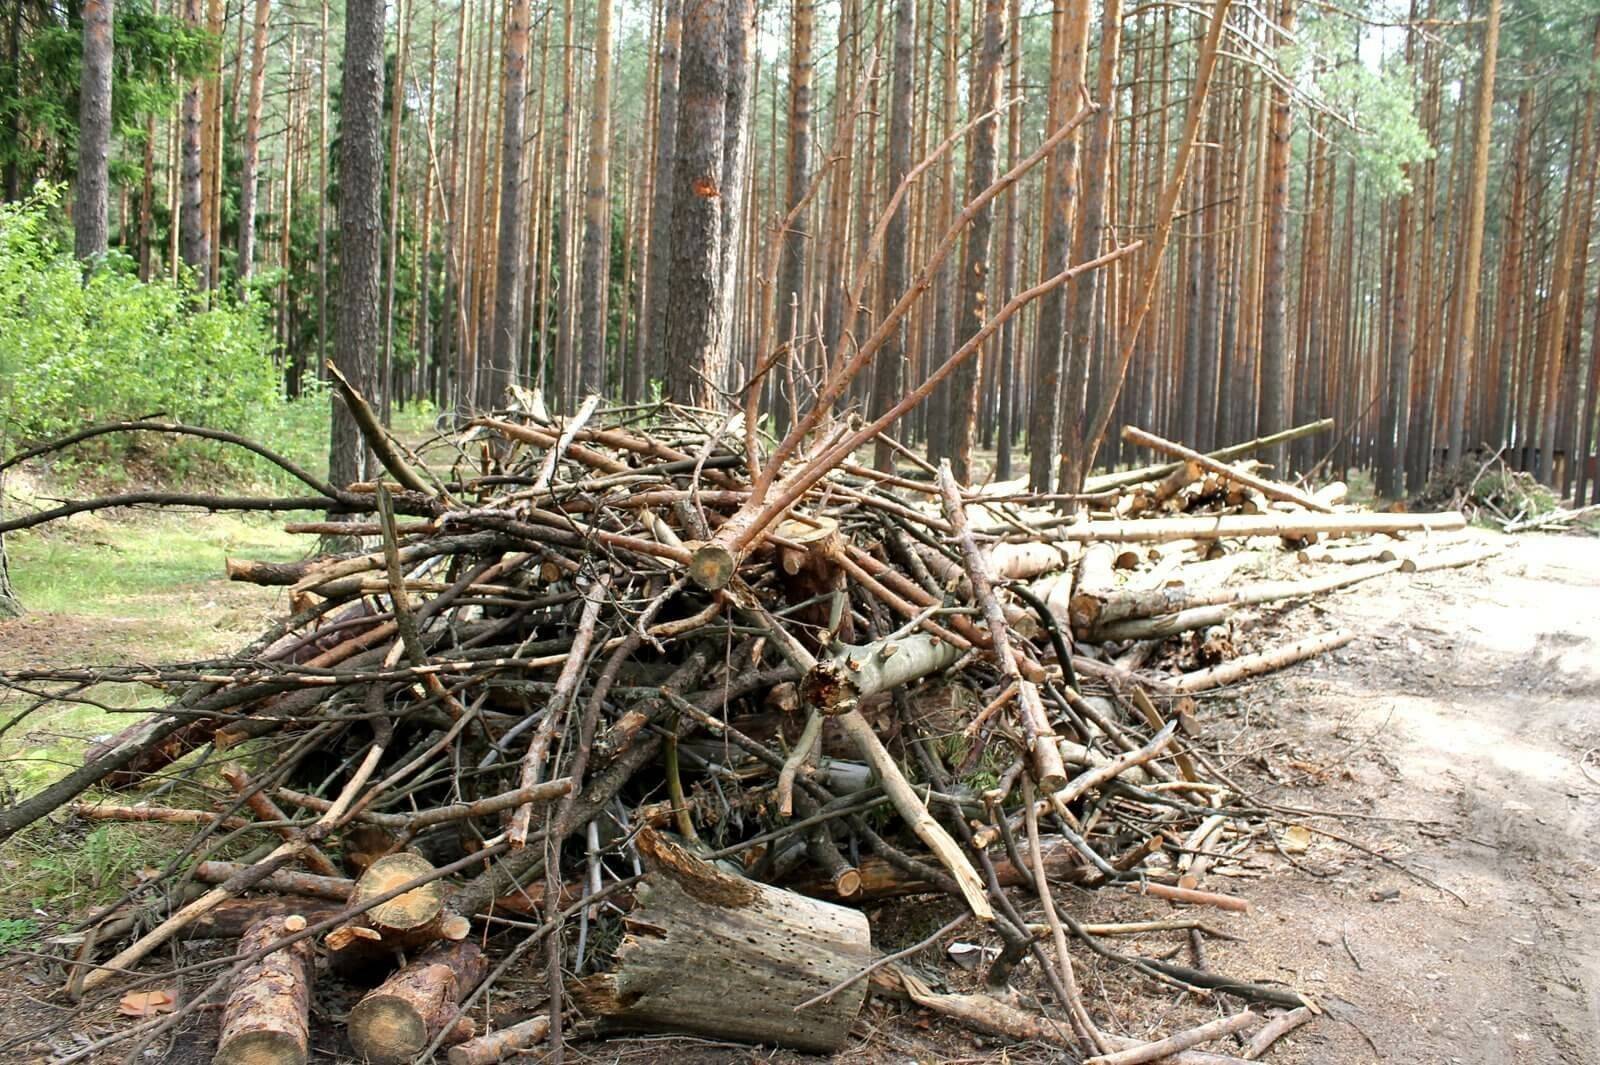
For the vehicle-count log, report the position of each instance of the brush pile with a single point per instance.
(659, 705)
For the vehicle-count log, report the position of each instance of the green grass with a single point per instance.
(135, 567)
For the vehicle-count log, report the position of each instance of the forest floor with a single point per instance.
(1459, 726)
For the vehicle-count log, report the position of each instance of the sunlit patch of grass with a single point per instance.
(55, 871)
(135, 567)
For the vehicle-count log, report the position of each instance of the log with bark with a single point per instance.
(396, 1021)
(267, 1018)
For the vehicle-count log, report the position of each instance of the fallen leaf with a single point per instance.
(146, 1003)
(1297, 839)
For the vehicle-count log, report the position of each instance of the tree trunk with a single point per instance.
(982, 162)
(1071, 44)
(696, 335)
(360, 226)
(653, 311)
(512, 243)
(267, 1018)
(791, 294)
(1465, 348)
(597, 214)
(1080, 294)
(252, 143)
(94, 131)
(10, 606)
(757, 952)
(196, 249)
(1274, 412)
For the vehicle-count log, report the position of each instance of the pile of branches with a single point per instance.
(660, 703)
(1488, 490)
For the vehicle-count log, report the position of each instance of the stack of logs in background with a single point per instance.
(649, 707)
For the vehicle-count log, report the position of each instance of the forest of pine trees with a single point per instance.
(1379, 212)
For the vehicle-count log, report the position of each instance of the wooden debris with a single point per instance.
(396, 1020)
(267, 1018)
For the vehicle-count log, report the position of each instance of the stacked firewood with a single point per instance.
(631, 693)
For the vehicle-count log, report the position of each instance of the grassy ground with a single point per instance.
(120, 587)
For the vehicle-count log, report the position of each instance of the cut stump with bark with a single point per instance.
(397, 1019)
(266, 1020)
(716, 955)
(406, 922)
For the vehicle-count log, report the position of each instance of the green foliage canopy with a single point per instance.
(76, 350)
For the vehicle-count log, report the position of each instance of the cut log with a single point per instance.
(498, 1045)
(266, 1020)
(1154, 602)
(1096, 583)
(755, 952)
(1349, 554)
(1270, 489)
(1107, 482)
(397, 1019)
(1155, 530)
(1262, 662)
(1161, 627)
(404, 923)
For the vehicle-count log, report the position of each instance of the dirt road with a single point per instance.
(1470, 702)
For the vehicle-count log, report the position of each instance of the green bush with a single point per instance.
(76, 350)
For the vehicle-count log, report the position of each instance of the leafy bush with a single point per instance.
(76, 350)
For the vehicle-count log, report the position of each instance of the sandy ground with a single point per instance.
(1470, 701)
(1457, 727)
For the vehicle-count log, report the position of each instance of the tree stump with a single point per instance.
(395, 1020)
(267, 1016)
(714, 954)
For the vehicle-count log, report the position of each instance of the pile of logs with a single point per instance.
(657, 704)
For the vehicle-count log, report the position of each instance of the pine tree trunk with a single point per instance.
(360, 225)
(509, 256)
(1274, 312)
(196, 249)
(94, 132)
(1053, 376)
(597, 214)
(696, 336)
(982, 162)
(791, 293)
(1078, 316)
(252, 143)
(1466, 345)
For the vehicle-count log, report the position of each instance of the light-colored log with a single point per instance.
(724, 957)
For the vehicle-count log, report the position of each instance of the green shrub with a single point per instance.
(75, 351)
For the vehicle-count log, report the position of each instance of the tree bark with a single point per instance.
(981, 167)
(1274, 414)
(94, 131)
(791, 294)
(193, 240)
(597, 214)
(509, 258)
(360, 226)
(267, 1018)
(252, 142)
(1465, 348)
(396, 1020)
(696, 334)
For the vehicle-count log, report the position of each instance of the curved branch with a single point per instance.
(145, 425)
